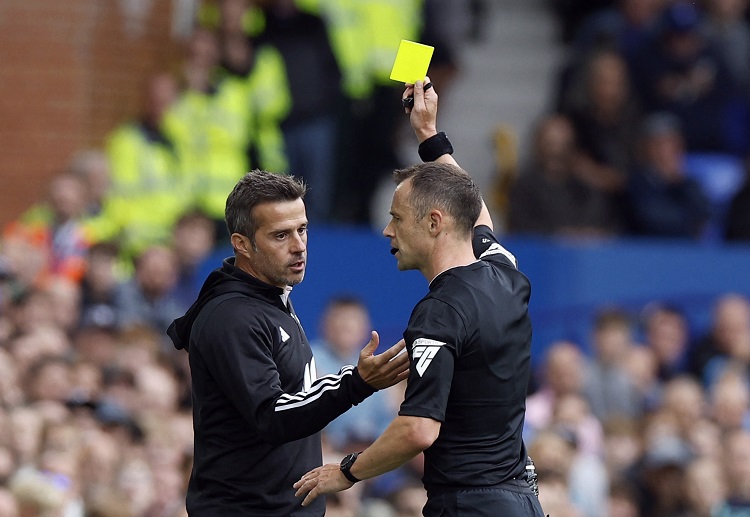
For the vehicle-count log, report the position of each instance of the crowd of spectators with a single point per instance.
(95, 414)
(651, 106)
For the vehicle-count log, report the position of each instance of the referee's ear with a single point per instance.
(436, 221)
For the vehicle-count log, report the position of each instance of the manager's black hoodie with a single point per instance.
(257, 405)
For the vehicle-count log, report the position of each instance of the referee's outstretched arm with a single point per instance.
(423, 118)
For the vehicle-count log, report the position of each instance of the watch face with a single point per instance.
(348, 461)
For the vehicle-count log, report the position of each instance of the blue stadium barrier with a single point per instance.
(571, 280)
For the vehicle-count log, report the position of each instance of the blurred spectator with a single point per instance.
(8, 504)
(642, 368)
(587, 476)
(49, 378)
(727, 26)
(606, 122)
(683, 406)
(730, 401)
(728, 338)
(736, 461)
(683, 73)
(409, 500)
(664, 201)
(193, 240)
(705, 487)
(25, 428)
(623, 500)
(33, 311)
(11, 392)
(705, 439)
(666, 333)
(92, 166)
(365, 35)
(549, 197)
(99, 287)
(625, 27)
(56, 228)
(37, 493)
(148, 191)
(554, 496)
(345, 329)
(608, 388)
(622, 447)
(563, 365)
(311, 127)
(662, 477)
(571, 13)
(147, 298)
(24, 264)
(259, 71)
(554, 454)
(209, 124)
(738, 218)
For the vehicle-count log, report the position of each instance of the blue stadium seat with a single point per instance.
(720, 176)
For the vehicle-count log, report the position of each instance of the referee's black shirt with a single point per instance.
(469, 343)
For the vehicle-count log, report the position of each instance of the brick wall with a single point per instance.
(70, 71)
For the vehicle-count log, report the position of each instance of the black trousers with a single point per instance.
(511, 499)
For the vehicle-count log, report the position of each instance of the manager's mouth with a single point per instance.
(394, 251)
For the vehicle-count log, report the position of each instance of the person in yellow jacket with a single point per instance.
(226, 121)
(365, 35)
(148, 192)
(209, 124)
(260, 70)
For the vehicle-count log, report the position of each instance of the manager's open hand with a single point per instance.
(322, 480)
(386, 369)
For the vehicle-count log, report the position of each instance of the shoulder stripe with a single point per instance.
(495, 249)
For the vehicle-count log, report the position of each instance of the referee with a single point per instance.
(468, 341)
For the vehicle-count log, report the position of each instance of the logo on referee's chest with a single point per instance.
(424, 349)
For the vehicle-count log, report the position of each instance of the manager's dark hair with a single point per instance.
(254, 188)
(445, 187)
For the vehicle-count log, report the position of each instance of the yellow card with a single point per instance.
(412, 62)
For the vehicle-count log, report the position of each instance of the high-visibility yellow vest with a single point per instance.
(270, 101)
(346, 26)
(388, 22)
(212, 131)
(148, 192)
(365, 35)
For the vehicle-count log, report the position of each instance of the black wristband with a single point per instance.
(435, 147)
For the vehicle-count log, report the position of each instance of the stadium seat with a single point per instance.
(720, 176)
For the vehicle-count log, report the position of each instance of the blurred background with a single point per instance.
(610, 139)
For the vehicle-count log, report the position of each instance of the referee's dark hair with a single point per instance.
(254, 188)
(446, 187)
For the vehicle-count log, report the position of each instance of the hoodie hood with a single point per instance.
(225, 280)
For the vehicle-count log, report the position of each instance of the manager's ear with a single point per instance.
(241, 244)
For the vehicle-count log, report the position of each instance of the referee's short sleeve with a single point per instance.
(434, 330)
(487, 247)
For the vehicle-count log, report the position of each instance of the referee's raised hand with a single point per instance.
(386, 369)
(423, 114)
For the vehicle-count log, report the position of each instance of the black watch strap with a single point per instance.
(346, 465)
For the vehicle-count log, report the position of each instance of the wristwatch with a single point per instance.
(346, 465)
